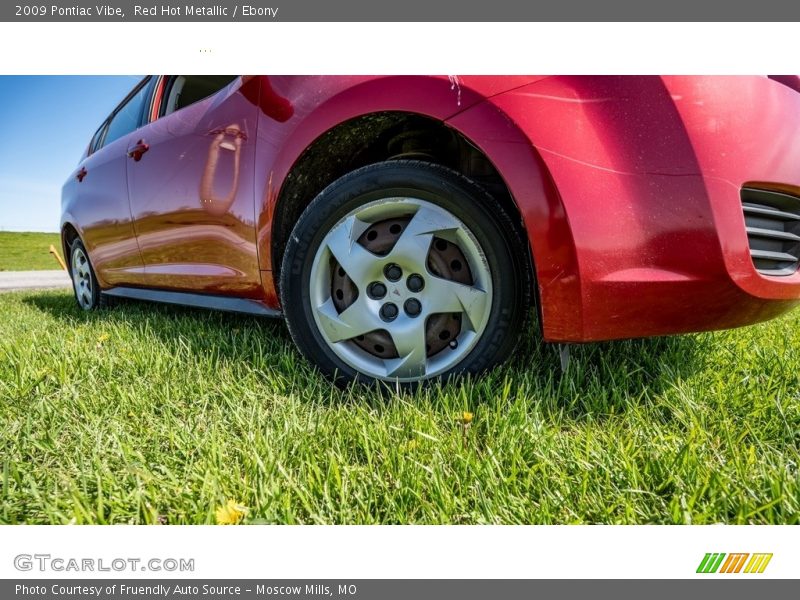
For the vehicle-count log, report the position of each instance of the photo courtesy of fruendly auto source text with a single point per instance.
(474, 300)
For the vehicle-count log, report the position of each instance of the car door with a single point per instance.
(190, 179)
(100, 193)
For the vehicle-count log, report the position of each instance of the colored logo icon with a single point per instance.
(719, 562)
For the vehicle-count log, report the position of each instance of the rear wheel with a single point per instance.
(84, 281)
(404, 271)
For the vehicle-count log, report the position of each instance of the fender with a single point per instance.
(598, 224)
(648, 172)
(557, 273)
(318, 104)
(68, 219)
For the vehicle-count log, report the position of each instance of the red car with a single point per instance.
(405, 226)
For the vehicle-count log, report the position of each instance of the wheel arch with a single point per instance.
(393, 134)
(69, 233)
(490, 149)
(321, 105)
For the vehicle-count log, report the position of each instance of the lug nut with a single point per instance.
(415, 283)
(393, 272)
(389, 311)
(376, 290)
(413, 307)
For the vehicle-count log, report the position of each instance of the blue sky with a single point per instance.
(46, 123)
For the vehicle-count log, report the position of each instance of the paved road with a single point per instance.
(33, 280)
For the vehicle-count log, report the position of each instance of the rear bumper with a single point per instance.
(647, 173)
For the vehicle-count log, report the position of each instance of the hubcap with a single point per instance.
(82, 278)
(400, 289)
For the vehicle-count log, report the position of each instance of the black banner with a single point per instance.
(397, 589)
(408, 10)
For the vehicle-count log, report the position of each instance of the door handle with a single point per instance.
(81, 174)
(136, 151)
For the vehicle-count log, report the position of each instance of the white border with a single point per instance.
(433, 552)
(345, 48)
(378, 48)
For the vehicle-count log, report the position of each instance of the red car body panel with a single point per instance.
(628, 187)
(191, 197)
(648, 178)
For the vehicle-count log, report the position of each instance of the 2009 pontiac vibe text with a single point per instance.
(53, 10)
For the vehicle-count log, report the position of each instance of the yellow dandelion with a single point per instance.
(466, 419)
(230, 513)
(103, 338)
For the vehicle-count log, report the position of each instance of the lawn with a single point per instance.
(155, 414)
(28, 251)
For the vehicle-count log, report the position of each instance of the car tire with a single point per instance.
(84, 281)
(405, 271)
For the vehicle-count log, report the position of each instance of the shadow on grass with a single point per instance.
(601, 377)
(608, 377)
(169, 322)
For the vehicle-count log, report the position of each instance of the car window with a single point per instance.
(127, 117)
(97, 138)
(182, 90)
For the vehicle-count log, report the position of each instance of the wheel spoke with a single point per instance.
(355, 320)
(356, 260)
(409, 340)
(415, 241)
(445, 296)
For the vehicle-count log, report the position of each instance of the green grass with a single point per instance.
(28, 251)
(145, 414)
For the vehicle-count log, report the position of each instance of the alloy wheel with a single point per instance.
(82, 278)
(400, 289)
